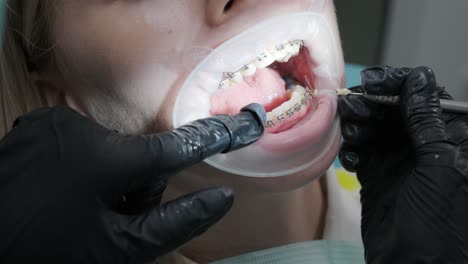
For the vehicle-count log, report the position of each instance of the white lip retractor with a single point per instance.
(193, 100)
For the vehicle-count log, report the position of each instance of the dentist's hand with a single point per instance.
(63, 179)
(412, 162)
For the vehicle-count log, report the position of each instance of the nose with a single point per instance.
(217, 9)
(220, 11)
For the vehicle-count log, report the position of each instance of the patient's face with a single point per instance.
(124, 63)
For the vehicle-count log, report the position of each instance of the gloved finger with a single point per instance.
(383, 80)
(354, 107)
(448, 117)
(442, 93)
(352, 157)
(168, 227)
(138, 200)
(359, 108)
(240, 128)
(203, 138)
(421, 108)
(358, 133)
(149, 158)
(458, 131)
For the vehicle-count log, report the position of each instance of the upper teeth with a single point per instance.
(264, 60)
(294, 46)
(281, 53)
(248, 70)
(234, 77)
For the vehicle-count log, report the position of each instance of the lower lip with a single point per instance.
(308, 131)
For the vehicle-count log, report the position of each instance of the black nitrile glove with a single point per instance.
(412, 163)
(62, 179)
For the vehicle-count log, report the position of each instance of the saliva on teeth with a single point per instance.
(299, 99)
(281, 53)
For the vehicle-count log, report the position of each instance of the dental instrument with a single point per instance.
(446, 105)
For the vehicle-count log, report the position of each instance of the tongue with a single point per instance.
(265, 87)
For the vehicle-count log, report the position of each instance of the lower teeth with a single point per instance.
(299, 99)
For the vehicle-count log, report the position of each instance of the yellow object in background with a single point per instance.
(348, 180)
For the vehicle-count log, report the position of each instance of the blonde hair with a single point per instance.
(26, 47)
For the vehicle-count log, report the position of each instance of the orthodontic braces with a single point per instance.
(309, 94)
(267, 57)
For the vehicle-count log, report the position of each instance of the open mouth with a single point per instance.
(292, 66)
(280, 79)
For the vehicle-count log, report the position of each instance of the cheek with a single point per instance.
(147, 84)
(164, 116)
(132, 51)
(150, 86)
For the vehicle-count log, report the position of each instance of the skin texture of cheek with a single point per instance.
(163, 120)
(125, 59)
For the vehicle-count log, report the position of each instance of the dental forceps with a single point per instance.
(446, 105)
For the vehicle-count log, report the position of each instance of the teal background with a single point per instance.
(353, 74)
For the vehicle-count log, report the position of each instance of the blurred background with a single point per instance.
(409, 33)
